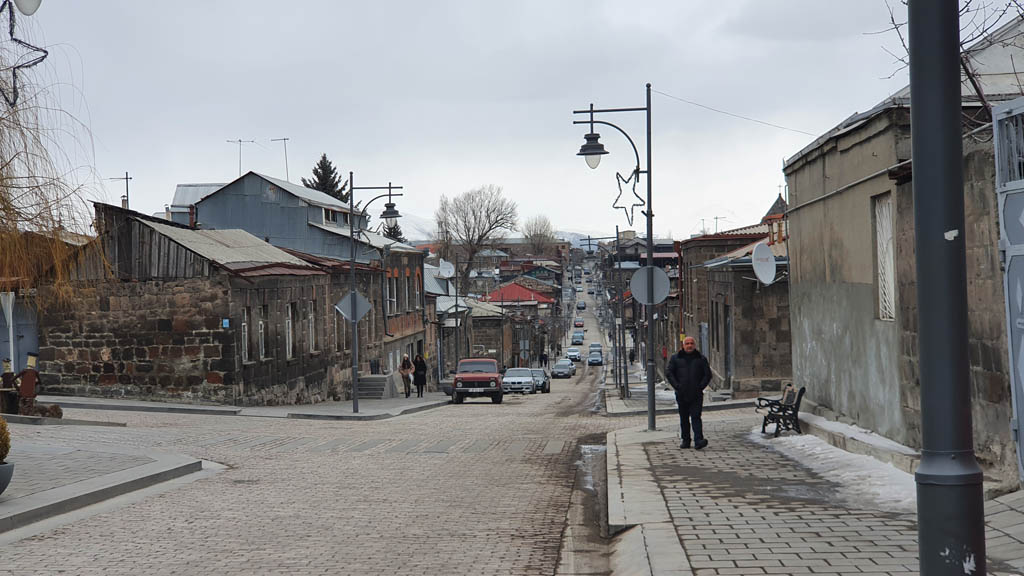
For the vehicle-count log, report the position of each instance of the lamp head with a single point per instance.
(592, 149)
(390, 215)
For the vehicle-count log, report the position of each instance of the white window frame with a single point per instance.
(312, 326)
(392, 294)
(408, 303)
(885, 259)
(288, 336)
(263, 332)
(416, 288)
(330, 216)
(245, 334)
(387, 296)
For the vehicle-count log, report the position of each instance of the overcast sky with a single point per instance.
(441, 97)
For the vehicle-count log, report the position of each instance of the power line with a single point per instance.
(740, 116)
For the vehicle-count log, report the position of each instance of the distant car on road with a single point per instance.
(573, 354)
(542, 379)
(578, 323)
(595, 347)
(577, 337)
(590, 290)
(519, 380)
(595, 359)
(581, 305)
(564, 368)
(477, 377)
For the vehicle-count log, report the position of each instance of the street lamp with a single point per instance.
(592, 150)
(390, 215)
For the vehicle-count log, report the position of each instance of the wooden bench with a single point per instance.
(784, 412)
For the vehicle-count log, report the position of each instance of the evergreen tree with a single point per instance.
(326, 179)
(394, 232)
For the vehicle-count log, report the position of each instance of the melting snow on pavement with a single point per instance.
(864, 482)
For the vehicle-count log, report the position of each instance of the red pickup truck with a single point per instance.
(477, 377)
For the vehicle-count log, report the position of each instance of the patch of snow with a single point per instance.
(864, 482)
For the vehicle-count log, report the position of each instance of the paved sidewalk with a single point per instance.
(50, 480)
(368, 409)
(743, 507)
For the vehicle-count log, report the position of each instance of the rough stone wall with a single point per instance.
(160, 340)
(985, 343)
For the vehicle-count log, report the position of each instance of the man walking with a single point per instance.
(689, 374)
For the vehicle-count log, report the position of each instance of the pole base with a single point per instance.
(951, 529)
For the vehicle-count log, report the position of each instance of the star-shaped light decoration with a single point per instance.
(24, 54)
(633, 178)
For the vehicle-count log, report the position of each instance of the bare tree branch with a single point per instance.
(471, 221)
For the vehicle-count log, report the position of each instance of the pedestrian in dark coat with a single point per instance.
(689, 374)
(419, 374)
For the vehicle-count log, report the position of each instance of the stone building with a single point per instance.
(853, 292)
(749, 334)
(492, 335)
(173, 313)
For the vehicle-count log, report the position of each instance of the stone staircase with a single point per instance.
(373, 386)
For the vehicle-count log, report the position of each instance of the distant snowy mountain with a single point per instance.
(417, 228)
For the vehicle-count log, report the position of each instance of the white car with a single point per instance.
(519, 380)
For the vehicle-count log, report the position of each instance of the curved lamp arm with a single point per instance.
(623, 132)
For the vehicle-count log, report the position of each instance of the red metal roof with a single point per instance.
(517, 293)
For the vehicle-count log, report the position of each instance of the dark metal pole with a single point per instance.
(651, 425)
(950, 505)
(352, 293)
(455, 278)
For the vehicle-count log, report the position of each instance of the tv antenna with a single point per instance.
(240, 142)
(285, 142)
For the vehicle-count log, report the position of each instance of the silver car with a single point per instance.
(519, 380)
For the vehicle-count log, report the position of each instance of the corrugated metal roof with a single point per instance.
(431, 283)
(185, 194)
(314, 197)
(446, 304)
(372, 239)
(484, 310)
(742, 255)
(226, 247)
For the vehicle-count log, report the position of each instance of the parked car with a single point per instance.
(578, 323)
(542, 379)
(476, 377)
(595, 359)
(573, 354)
(519, 380)
(577, 337)
(564, 368)
(581, 305)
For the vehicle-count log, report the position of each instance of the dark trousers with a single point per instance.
(689, 416)
(419, 390)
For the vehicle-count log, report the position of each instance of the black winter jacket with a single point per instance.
(689, 374)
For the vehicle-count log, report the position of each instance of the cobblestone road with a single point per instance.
(470, 489)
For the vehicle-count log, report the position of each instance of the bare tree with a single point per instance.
(539, 234)
(473, 220)
(978, 18)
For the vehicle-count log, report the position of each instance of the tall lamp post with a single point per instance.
(950, 500)
(390, 216)
(592, 150)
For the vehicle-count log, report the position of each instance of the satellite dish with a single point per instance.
(447, 269)
(764, 263)
(27, 7)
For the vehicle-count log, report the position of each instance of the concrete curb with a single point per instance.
(29, 509)
(648, 544)
(168, 409)
(44, 421)
(351, 417)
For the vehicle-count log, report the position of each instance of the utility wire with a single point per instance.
(740, 116)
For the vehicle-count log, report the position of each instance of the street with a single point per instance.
(470, 489)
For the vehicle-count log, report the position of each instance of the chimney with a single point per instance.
(124, 202)
(191, 215)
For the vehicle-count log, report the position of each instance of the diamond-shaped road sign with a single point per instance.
(345, 306)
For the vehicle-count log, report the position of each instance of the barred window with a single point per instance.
(885, 266)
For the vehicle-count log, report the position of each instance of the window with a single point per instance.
(289, 331)
(387, 296)
(392, 294)
(312, 325)
(245, 334)
(885, 269)
(330, 216)
(416, 289)
(263, 332)
(408, 303)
